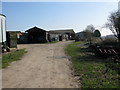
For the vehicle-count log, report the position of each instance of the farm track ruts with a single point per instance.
(43, 66)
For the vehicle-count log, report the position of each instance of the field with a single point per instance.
(91, 69)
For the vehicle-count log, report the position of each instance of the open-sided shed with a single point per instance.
(36, 35)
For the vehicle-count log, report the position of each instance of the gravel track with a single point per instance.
(43, 66)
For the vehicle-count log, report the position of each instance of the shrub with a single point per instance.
(109, 42)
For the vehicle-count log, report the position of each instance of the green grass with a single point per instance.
(0, 61)
(12, 56)
(53, 42)
(91, 69)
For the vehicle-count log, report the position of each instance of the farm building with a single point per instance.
(22, 38)
(37, 35)
(12, 38)
(61, 35)
(80, 35)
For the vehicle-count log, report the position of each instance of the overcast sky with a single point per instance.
(57, 15)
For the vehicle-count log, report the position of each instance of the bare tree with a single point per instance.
(114, 23)
(114, 26)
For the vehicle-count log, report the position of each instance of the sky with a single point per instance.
(21, 16)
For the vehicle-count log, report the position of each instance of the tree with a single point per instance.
(97, 33)
(88, 35)
(88, 32)
(90, 28)
(114, 23)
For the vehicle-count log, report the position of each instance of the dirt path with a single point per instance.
(44, 66)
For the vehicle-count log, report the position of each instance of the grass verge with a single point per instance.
(53, 42)
(12, 56)
(90, 68)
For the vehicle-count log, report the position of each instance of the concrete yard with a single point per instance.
(43, 66)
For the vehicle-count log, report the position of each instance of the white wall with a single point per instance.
(2, 28)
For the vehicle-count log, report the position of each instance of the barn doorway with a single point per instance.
(60, 38)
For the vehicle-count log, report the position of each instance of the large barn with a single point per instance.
(36, 35)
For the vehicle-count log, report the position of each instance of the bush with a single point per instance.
(109, 42)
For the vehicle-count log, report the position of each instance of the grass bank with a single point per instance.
(90, 68)
(52, 42)
(12, 56)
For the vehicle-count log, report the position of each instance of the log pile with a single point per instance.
(104, 51)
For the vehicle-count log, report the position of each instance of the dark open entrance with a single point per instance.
(60, 37)
(36, 35)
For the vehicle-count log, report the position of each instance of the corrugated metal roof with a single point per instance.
(62, 31)
(35, 29)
